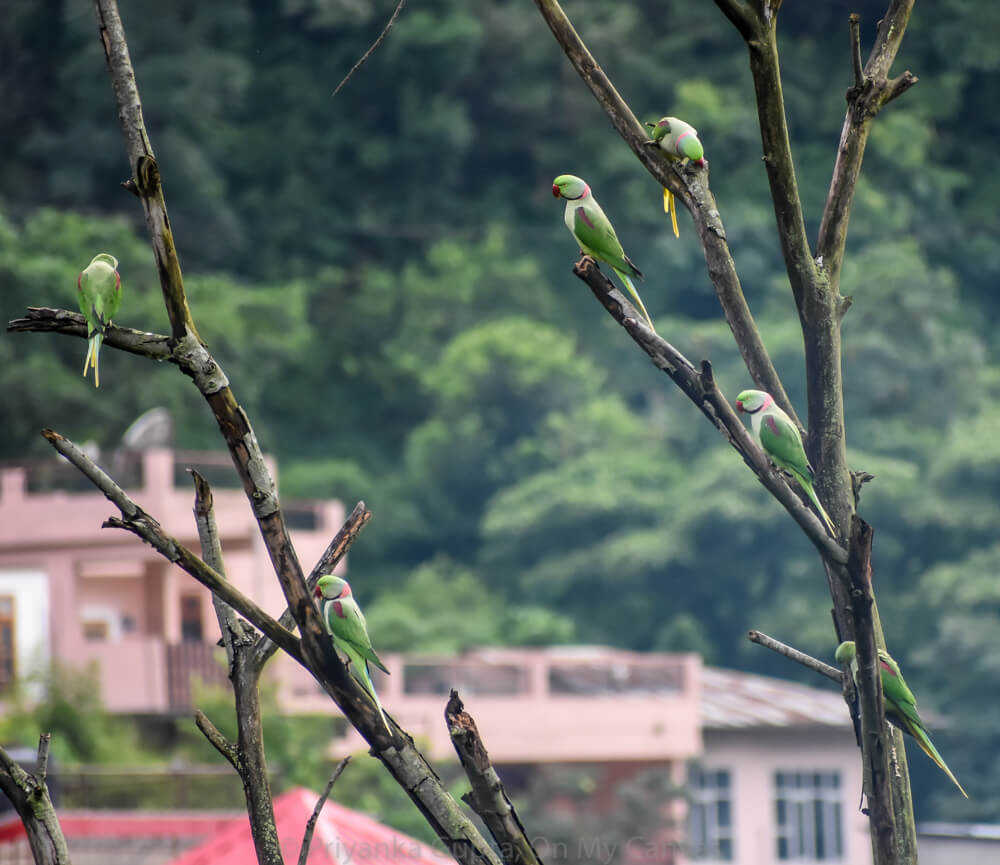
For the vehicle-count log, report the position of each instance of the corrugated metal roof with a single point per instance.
(733, 700)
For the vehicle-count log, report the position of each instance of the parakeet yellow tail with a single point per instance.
(927, 746)
(670, 206)
(635, 296)
(93, 350)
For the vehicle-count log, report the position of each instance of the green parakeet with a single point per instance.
(594, 233)
(679, 140)
(900, 704)
(780, 440)
(99, 293)
(346, 624)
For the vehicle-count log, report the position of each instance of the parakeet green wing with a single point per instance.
(595, 232)
(780, 439)
(346, 621)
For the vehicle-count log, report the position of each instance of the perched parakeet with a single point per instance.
(594, 233)
(780, 440)
(346, 624)
(900, 704)
(99, 293)
(679, 140)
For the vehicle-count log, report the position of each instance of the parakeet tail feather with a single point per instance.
(673, 210)
(366, 680)
(808, 487)
(93, 350)
(635, 296)
(927, 746)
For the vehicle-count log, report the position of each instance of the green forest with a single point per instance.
(386, 279)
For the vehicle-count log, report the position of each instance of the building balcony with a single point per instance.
(533, 706)
(147, 675)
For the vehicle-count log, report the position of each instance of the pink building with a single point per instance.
(771, 767)
(76, 593)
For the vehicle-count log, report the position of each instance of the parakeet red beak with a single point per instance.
(700, 163)
(318, 592)
(555, 191)
(739, 405)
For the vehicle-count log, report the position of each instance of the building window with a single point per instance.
(8, 623)
(95, 630)
(710, 814)
(191, 631)
(809, 816)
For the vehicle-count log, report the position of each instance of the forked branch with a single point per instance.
(690, 185)
(701, 389)
(29, 794)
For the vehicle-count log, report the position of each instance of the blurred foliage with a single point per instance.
(82, 731)
(587, 813)
(385, 278)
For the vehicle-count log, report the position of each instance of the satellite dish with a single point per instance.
(152, 429)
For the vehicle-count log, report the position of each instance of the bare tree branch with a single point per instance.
(311, 824)
(42, 771)
(373, 48)
(488, 797)
(29, 794)
(816, 298)
(249, 759)
(218, 741)
(315, 651)
(701, 389)
(809, 661)
(142, 162)
(855, 26)
(690, 185)
(863, 103)
(890, 804)
(780, 168)
(211, 553)
(45, 320)
(875, 738)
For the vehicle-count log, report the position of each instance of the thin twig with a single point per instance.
(855, 28)
(218, 741)
(311, 825)
(374, 47)
(809, 661)
(211, 554)
(41, 773)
